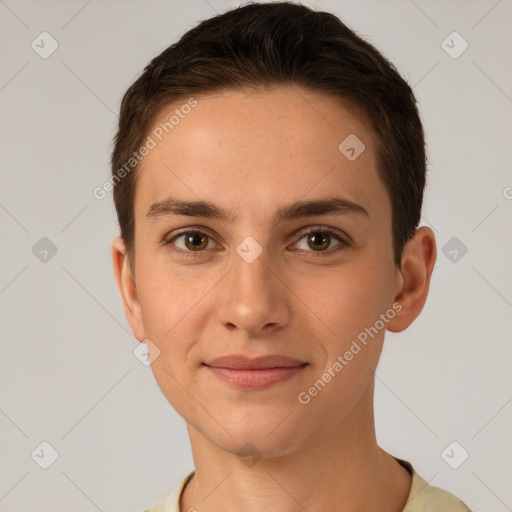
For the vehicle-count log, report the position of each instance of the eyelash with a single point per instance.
(313, 254)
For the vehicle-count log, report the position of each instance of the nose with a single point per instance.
(253, 297)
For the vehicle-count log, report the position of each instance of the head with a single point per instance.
(274, 167)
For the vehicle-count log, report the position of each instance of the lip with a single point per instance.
(255, 372)
(239, 362)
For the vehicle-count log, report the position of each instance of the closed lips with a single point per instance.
(238, 362)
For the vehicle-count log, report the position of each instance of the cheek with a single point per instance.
(352, 345)
(167, 296)
(347, 306)
(171, 310)
(345, 301)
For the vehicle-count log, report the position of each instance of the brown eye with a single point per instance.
(191, 241)
(318, 240)
(195, 241)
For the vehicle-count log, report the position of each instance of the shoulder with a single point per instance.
(172, 502)
(424, 497)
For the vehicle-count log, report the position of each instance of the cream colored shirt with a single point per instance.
(422, 497)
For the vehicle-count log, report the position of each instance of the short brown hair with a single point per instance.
(280, 43)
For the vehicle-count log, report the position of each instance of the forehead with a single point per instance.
(240, 146)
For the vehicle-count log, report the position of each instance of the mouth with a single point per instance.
(255, 373)
(241, 362)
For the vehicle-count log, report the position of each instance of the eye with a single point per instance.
(191, 241)
(320, 240)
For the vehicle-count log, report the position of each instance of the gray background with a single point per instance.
(68, 373)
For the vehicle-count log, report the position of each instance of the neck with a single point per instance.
(342, 468)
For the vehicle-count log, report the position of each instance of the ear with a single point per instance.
(126, 284)
(418, 261)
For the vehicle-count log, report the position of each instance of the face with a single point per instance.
(290, 255)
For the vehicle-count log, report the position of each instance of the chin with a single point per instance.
(265, 437)
(252, 448)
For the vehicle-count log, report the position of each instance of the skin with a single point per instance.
(251, 153)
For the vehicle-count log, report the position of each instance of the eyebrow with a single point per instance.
(330, 206)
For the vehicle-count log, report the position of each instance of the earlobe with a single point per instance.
(418, 261)
(126, 284)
